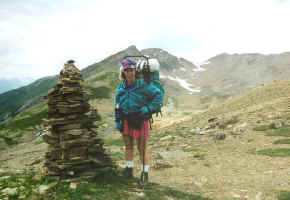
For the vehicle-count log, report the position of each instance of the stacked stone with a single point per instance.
(74, 150)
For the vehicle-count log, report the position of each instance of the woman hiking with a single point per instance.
(135, 101)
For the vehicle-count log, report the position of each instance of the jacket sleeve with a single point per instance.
(157, 98)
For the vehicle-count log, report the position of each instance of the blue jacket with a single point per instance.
(131, 100)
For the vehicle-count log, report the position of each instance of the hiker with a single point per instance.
(135, 100)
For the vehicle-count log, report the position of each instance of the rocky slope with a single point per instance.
(232, 74)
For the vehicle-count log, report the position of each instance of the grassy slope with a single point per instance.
(13, 100)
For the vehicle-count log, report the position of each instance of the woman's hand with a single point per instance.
(119, 126)
(144, 110)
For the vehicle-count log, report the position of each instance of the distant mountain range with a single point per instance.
(223, 74)
(7, 84)
(235, 73)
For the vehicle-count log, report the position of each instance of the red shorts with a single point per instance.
(136, 133)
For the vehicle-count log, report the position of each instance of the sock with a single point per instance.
(129, 163)
(146, 168)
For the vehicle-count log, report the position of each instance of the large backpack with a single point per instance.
(154, 74)
(150, 70)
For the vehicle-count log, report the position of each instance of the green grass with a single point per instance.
(101, 92)
(283, 195)
(284, 131)
(199, 156)
(282, 152)
(282, 141)
(117, 156)
(115, 142)
(22, 124)
(8, 140)
(25, 121)
(12, 100)
(109, 76)
(261, 128)
(108, 184)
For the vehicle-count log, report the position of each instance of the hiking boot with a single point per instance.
(143, 179)
(128, 172)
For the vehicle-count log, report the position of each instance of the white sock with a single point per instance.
(146, 168)
(129, 163)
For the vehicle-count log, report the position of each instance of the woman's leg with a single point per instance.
(141, 141)
(129, 147)
(129, 155)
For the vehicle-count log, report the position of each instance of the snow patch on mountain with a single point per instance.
(198, 66)
(183, 83)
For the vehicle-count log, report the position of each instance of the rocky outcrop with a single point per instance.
(75, 151)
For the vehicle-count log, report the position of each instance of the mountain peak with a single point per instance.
(132, 47)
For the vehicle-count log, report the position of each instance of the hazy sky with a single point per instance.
(38, 36)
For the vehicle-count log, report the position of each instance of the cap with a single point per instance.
(128, 63)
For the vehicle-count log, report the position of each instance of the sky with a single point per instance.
(38, 36)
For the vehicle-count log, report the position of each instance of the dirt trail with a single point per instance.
(227, 170)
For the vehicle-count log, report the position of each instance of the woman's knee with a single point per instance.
(128, 143)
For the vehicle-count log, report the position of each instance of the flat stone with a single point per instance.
(64, 90)
(70, 127)
(50, 140)
(9, 191)
(73, 143)
(52, 91)
(75, 132)
(172, 155)
(4, 177)
(166, 137)
(73, 185)
(43, 189)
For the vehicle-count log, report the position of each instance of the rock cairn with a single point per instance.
(74, 150)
